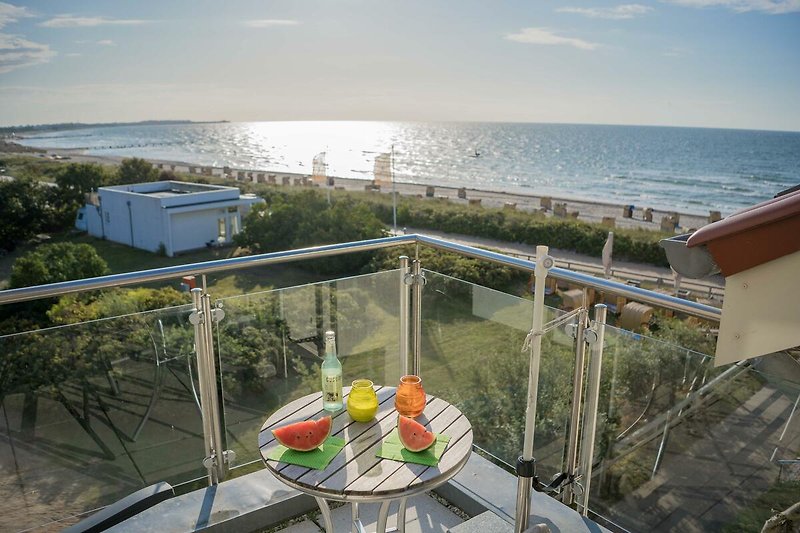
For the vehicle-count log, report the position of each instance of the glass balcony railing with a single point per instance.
(684, 446)
(472, 356)
(94, 410)
(270, 346)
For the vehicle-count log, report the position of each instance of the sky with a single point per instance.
(704, 63)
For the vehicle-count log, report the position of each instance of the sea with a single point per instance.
(691, 170)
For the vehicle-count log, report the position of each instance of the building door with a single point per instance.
(222, 231)
(227, 227)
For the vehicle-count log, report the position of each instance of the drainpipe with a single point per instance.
(130, 221)
(102, 216)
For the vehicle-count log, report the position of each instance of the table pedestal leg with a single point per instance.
(358, 527)
(383, 515)
(401, 515)
(326, 513)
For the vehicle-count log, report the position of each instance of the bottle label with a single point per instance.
(332, 388)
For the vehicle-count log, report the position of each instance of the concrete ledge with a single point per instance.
(258, 501)
(487, 522)
(483, 486)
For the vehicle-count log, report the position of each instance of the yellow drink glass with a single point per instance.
(362, 403)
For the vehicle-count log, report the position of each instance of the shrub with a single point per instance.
(529, 228)
(136, 170)
(51, 263)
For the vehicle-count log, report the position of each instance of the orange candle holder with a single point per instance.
(410, 396)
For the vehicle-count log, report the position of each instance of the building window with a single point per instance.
(234, 225)
(221, 233)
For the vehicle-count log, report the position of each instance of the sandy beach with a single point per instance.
(594, 212)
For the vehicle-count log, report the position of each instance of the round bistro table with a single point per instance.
(356, 474)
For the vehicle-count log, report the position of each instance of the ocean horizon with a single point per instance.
(692, 170)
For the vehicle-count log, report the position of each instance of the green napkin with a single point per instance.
(391, 448)
(317, 458)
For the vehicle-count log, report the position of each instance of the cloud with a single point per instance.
(269, 23)
(676, 51)
(16, 52)
(10, 14)
(70, 21)
(106, 42)
(624, 11)
(772, 7)
(548, 37)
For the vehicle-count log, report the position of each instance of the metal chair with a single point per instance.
(123, 509)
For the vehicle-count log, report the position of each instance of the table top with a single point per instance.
(356, 474)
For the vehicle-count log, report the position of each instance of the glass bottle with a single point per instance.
(362, 402)
(331, 375)
(410, 396)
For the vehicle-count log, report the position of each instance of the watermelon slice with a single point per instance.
(304, 436)
(413, 435)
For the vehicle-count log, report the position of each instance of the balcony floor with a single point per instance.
(424, 514)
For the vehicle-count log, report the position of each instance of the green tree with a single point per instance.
(51, 263)
(24, 209)
(77, 179)
(306, 219)
(136, 170)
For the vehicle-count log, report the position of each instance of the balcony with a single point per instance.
(94, 410)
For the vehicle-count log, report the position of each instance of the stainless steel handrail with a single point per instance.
(144, 276)
(628, 291)
(220, 265)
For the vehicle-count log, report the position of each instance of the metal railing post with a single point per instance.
(577, 394)
(216, 459)
(201, 347)
(416, 314)
(526, 464)
(405, 300)
(591, 406)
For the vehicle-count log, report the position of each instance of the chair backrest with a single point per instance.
(123, 509)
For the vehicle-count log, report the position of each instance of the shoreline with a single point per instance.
(592, 211)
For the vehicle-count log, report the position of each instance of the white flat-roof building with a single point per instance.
(175, 215)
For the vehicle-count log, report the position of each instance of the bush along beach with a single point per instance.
(530, 228)
(637, 245)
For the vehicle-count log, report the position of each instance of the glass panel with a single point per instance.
(472, 357)
(94, 411)
(271, 344)
(685, 446)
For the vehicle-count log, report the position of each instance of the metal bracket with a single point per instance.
(411, 279)
(590, 335)
(228, 457)
(572, 330)
(556, 484)
(217, 314)
(196, 317)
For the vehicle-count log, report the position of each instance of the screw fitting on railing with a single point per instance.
(415, 279)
